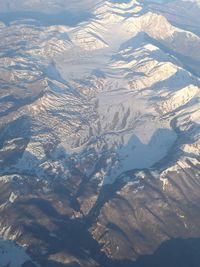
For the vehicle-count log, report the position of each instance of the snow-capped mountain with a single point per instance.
(99, 128)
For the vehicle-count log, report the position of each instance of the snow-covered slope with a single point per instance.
(138, 87)
(12, 255)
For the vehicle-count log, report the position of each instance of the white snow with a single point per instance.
(12, 197)
(126, 109)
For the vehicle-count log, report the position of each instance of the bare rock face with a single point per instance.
(99, 132)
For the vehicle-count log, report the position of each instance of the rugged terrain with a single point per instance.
(99, 130)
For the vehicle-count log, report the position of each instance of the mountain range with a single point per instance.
(99, 130)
